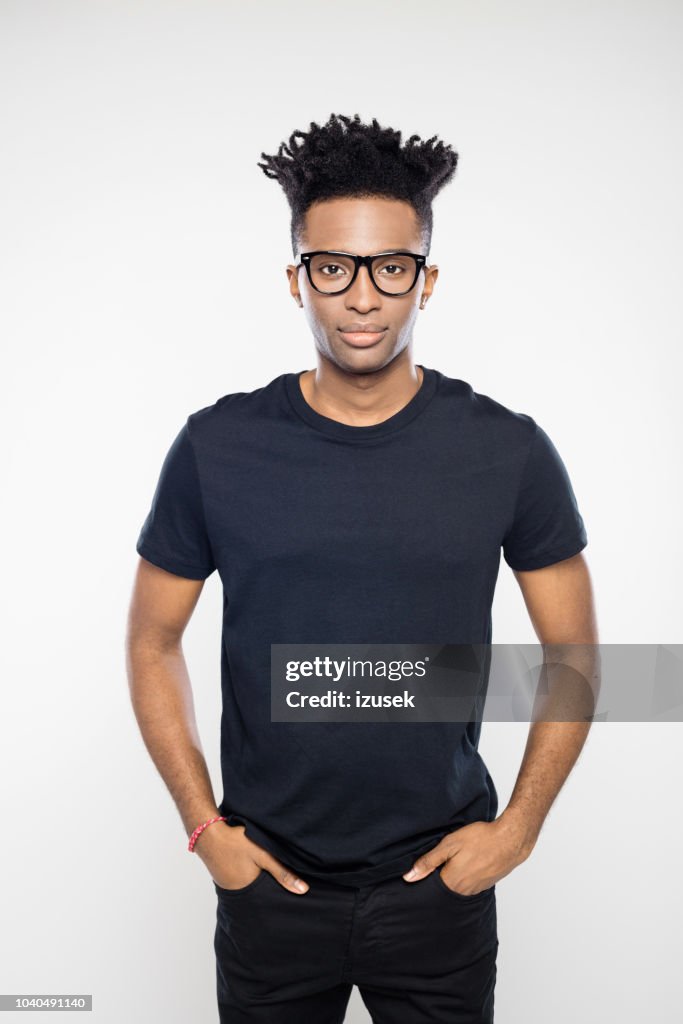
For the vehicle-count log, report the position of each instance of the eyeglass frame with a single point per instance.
(362, 261)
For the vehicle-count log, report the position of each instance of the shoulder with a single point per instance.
(235, 411)
(485, 416)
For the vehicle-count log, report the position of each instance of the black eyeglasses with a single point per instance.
(332, 273)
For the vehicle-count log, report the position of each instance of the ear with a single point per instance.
(431, 274)
(293, 275)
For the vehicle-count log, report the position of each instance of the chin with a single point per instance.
(364, 362)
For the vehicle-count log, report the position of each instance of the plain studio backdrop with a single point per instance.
(143, 256)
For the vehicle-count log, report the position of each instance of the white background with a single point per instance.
(142, 270)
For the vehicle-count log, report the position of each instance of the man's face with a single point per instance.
(361, 227)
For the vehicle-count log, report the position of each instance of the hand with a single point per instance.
(476, 855)
(222, 846)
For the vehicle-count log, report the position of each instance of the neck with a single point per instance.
(360, 399)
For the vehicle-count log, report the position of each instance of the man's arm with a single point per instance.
(560, 602)
(160, 609)
(161, 694)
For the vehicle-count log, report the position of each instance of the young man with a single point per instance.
(367, 500)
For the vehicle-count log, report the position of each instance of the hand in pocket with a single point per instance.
(235, 861)
(237, 875)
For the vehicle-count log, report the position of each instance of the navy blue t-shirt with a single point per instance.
(322, 533)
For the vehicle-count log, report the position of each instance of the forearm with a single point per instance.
(161, 695)
(561, 718)
(551, 751)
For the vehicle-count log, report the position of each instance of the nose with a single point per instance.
(362, 295)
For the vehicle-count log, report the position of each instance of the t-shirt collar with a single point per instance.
(347, 432)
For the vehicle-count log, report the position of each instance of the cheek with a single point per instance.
(321, 324)
(316, 317)
(325, 315)
(406, 315)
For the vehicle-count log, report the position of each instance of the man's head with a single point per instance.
(353, 188)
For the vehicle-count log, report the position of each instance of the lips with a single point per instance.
(361, 328)
(362, 335)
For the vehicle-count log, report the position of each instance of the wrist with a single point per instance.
(192, 817)
(198, 834)
(521, 831)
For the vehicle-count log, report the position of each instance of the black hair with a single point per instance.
(348, 158)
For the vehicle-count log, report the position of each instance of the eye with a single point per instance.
(326, 266)
(395, 266)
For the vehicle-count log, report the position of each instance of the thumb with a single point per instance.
(282, 874)
(425, 864)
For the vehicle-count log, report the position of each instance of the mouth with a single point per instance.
(362, 339)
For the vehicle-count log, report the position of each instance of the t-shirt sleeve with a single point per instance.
(174, 535)
(547, 525)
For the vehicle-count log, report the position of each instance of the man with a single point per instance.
(367, 500)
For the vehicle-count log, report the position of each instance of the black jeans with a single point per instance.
(418, 952)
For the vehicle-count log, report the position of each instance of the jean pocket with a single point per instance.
(249, 887)
(463, 897)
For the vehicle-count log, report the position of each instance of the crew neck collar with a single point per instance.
(348, 432)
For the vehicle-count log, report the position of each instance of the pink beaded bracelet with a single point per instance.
(199, 829)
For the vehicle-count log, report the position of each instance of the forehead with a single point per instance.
(361, 225)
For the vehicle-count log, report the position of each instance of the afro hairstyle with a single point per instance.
(346, 158)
